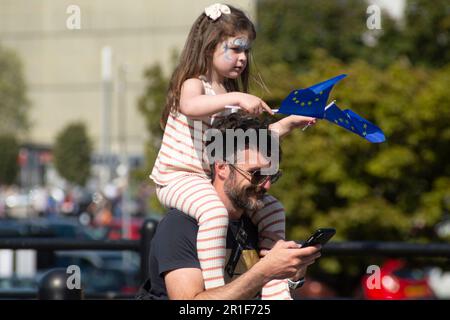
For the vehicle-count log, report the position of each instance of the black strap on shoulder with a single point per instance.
(241, 239)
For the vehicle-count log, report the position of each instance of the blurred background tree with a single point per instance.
(370, 191)
(9, 154)
(151, 104)
(289, 31)
(14, 108)
(423, 36)
(72, 154)
(13, 102)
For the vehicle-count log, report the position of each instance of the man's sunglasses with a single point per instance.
(256, 177)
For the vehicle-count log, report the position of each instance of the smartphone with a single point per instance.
(321, 236)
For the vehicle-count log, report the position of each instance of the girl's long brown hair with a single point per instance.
(196, 57)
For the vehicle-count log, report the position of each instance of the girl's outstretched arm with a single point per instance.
(286, 125)
(195, 104)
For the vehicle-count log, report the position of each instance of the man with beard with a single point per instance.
(175, 271)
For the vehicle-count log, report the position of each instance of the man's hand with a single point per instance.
(287, 260)
(270, 238)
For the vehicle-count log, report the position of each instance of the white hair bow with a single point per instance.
(214, 11)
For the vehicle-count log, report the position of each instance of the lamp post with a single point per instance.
(105, 143)
(123, 170)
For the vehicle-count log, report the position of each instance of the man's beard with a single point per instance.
(249, 198)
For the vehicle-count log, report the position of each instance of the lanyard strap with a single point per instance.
(241, 238)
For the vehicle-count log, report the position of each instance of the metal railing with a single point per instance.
(142, 246)
(398, 249)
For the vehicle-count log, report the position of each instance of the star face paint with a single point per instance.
(238, 45)
(242, 44)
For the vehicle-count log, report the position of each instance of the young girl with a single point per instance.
(213, 73)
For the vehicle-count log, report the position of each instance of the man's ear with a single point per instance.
(222, 170)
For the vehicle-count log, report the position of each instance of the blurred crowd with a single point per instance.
(98, 207)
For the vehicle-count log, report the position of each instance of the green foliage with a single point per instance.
(13, 110)
(151, 104)
(8, 159)
(394, 191)
(335, 178)
(290, 30)
(72, 154)
(422, 36)
(426, 32)
(13, 102)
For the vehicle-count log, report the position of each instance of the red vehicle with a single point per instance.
(395, 280)
(115, 229)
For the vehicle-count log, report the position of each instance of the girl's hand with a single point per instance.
(253, 105)
(286, 125)
(295, 121)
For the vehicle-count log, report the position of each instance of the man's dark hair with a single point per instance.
(241, 120)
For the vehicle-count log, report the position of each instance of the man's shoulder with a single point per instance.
(175, 232)
(177, 220)
(175, 215)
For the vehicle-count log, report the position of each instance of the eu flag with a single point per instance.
(353, 122)
(312, 102)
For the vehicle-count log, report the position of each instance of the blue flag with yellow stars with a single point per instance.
(312, 102)
(351, 121)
